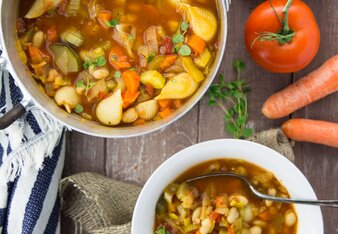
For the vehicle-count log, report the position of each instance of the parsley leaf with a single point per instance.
(151, 57)
(80, 84)
(97, 62)
(184, 26)
(78, 109)
(162, 230)
(117, 74)
(112, 23)
(87, 64)
(184, 50)
(178, 38)
(231, 97)
(132, 69)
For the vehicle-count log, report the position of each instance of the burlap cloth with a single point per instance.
(100, 205)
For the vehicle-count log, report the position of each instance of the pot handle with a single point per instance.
(18, 110)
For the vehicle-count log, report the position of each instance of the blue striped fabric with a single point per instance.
(31, 163)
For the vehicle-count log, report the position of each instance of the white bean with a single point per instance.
(196, 215)
(101, 73)
(39, 39)
(290, 218)
(238, 201)
(255, 230)
(206, 226)
(247, 214)
(233, 215)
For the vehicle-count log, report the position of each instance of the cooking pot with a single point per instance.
(34, 98)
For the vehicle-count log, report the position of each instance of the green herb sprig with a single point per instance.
(162, 230)
(97, 62)
(113, 23)
(233, 94)
(178, 40)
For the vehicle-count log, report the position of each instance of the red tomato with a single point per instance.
(291, 56)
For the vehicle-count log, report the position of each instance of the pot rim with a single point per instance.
(73, 122)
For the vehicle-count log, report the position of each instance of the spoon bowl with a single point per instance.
(326, 203)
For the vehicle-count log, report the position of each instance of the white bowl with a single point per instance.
(310, 218)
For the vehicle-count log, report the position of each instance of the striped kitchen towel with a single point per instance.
(31, 163)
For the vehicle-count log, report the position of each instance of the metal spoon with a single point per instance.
(328, 203)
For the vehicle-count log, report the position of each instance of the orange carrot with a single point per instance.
(129, 98)
(139, 122)
(214, 215)
(118, 59)
(165, 113)
(197, 232)
(178, 103)
(35, 54)
(309, 89)
(168, 61)
(164, 103)
(196, 43)
(52, 34)
(314, 131)
(132, 80)
(104, 17)
(231, 230)
(266, 216)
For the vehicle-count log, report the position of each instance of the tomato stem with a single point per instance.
(285, 35)
(286, 28)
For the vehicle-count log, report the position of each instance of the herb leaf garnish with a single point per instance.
(233, 94)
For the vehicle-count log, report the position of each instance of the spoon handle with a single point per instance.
(326, 203)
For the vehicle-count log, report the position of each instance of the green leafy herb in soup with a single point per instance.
(118, 62)
(224, 205)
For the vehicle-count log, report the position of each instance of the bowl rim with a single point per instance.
(168, 171)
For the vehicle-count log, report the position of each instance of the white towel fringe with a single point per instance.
(31, 154)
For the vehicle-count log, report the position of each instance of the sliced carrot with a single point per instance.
(314, 131)
(164, 103)
(165, 113)
(305, 91)
(197, 232)
(168, 61)
(118, 59)
(196, 43)
(52, 34)
(139, 122)
(104, 17)
(132, 80)
(177, 103)
(266, 216)
(129, 98)
(214, 215)
(35, 54)
(231, 230)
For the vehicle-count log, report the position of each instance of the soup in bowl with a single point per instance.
(167, 204)
(119, 63)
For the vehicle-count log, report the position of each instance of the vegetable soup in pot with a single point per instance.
(122, 62)
(224, 205)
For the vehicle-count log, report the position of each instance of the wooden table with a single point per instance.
(133, 160)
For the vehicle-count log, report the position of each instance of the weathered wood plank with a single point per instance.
(319, 163)
(134, 159)
(262, 83)
(84, 153)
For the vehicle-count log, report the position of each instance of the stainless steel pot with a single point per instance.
(33, 97)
